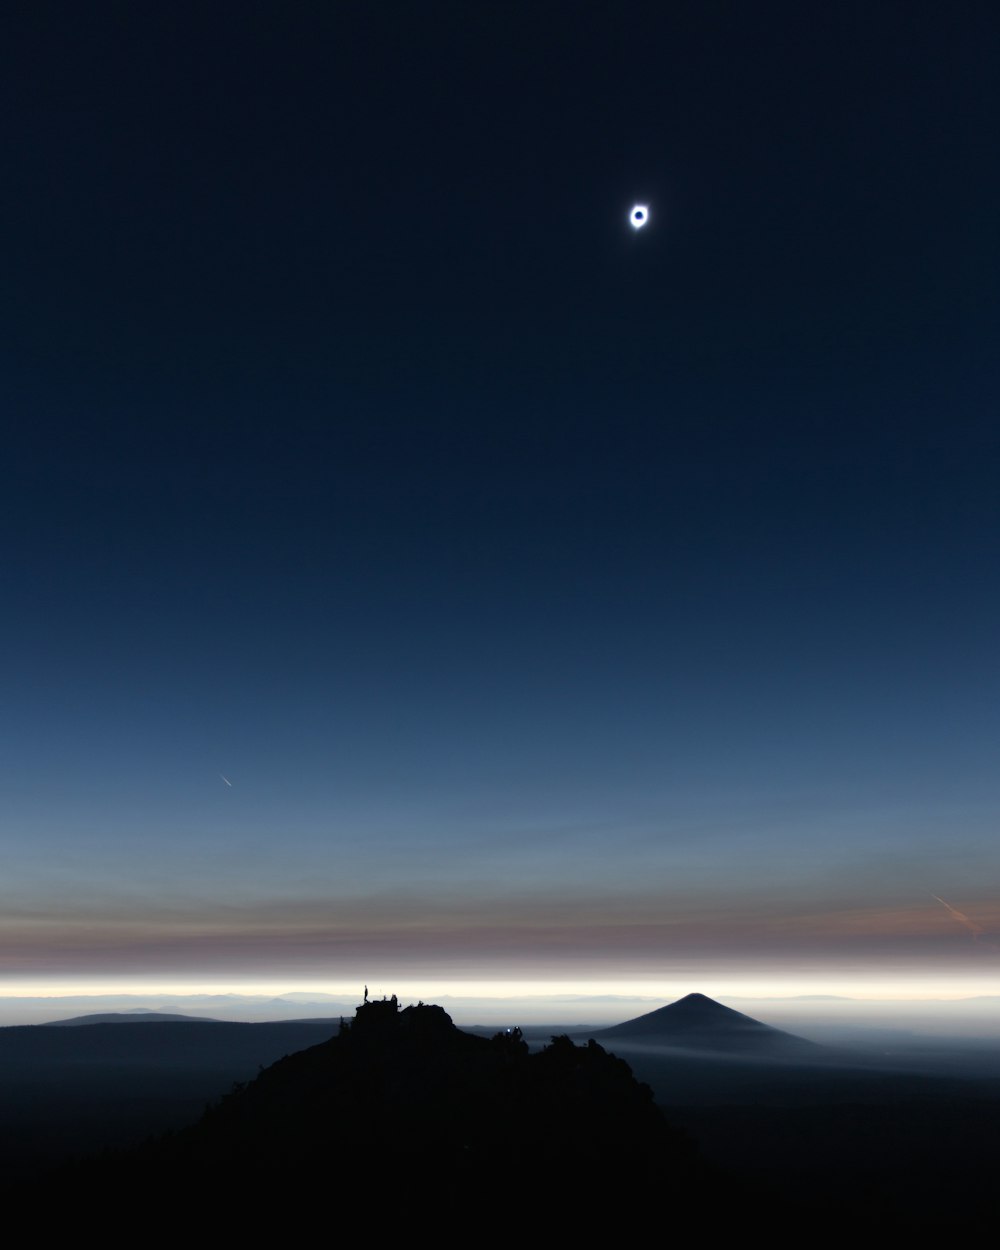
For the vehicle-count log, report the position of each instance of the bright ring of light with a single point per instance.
(638, 216)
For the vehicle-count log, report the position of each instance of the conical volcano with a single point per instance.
(700, 1022)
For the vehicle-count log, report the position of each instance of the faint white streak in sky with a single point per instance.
(977, 931)
(226, 780)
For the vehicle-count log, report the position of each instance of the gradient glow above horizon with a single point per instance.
(415, 575)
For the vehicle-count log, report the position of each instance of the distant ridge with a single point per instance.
(700, 1022)
(136, 1016)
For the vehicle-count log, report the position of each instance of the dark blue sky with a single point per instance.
(560, 600)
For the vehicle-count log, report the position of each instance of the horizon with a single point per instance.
(824, 1016)
(645, 989)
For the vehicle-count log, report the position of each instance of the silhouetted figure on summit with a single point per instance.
(366, 993)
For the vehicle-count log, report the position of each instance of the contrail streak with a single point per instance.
(230, 785)
(961, 917)
(977, 931)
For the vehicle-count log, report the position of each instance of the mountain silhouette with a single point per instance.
(137, 1016)
(406, 1125)
(699, 1022)
(401, 1103)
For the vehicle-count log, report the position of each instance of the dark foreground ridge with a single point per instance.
(402, 1104)
(402, 1121)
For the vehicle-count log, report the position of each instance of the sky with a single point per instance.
(413, 575)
